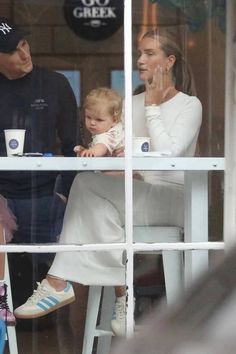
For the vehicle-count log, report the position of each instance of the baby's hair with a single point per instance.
(111, 97)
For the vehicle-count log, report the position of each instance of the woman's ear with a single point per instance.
(170, 62)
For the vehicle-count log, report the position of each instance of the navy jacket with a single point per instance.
(43, 103)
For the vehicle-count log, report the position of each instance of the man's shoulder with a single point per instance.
(48, 73)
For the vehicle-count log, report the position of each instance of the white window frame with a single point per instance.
(128, 164)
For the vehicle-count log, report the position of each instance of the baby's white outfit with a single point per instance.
(113, 139)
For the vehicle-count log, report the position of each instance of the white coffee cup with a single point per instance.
(141, 144)
(14, 139)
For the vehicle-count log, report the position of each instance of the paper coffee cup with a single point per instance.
(141, 144)
(14, 139)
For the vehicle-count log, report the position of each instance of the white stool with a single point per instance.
(11, 330)
(173, 273)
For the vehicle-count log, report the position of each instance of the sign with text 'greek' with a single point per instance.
(94, 19)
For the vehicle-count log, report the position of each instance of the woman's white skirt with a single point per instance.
(95, 213)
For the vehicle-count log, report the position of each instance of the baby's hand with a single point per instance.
(78, 149)
(119, 152)
(87, 153)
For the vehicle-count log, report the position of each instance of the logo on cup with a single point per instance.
(13, 144)
(145, 147)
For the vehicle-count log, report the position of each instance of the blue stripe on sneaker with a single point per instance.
(47, 302)
(53, 299)
(67, 287)
(44, 308)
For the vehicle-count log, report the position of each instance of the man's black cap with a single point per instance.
(10, 35)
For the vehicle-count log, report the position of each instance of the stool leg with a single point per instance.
(108, 301)
(173, 273)
(11, 330)
(94, 298)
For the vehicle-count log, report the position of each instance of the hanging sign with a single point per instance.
(94, 19)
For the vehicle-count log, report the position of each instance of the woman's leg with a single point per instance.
(88, 218)
(120, 291)
(57, 283)
(95, 213)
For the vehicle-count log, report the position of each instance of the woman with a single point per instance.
(95, 213)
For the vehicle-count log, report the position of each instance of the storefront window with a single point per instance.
(74, 79)
(78, 46)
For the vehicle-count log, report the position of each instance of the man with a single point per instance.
(41, 102)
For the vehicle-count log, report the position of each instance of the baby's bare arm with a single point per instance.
(97, 150)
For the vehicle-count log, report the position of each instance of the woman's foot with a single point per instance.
(118, 322)
(44, 300)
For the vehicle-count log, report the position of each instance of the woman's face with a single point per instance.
(150, 56)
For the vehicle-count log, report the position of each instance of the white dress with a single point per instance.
(95, 211)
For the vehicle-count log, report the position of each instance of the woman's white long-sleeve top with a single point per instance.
(173, 127)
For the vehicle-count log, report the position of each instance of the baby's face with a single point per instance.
(97, 119)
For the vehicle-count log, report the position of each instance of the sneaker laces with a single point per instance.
(38, 294)
(3, 301)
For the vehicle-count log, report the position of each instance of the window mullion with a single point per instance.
(128, 160)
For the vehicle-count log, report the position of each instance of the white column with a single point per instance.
(230, 127)
(195, 222)
(128, 162)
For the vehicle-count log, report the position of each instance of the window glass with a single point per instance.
(74, 80)
(78, 46)
(191, 26)
(117, 80)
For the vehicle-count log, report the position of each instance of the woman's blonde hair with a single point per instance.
(111, 97)
(182, 74)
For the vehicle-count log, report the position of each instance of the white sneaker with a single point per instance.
(45, 300)
(118, 322)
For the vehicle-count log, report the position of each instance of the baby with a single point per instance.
(103, 111)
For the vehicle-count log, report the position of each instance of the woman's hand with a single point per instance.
(159, 89)
(119, 152)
